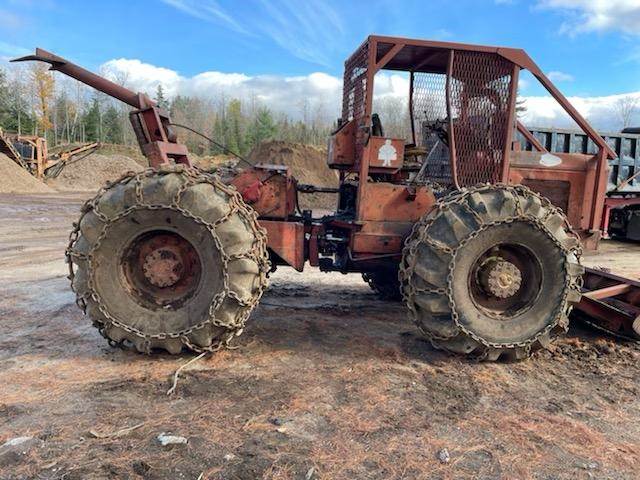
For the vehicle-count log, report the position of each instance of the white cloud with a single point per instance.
(280, 93)
(556, 76)
(601, 112)
(320, 91)
(143, 77)
(597, 15)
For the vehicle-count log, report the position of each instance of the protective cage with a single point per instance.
(471, 94)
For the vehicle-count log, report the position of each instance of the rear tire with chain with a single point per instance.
(384, 283)
(492, 272)
(166, 259)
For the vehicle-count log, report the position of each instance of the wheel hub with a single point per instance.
(163, 267)
(500, 278)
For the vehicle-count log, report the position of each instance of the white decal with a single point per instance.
(549, 160)
(387, 153)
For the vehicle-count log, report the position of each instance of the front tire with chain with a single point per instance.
(491, 272)
(166, 259)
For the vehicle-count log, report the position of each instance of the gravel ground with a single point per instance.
(327, 382)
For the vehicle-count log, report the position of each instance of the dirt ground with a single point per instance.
(326, 383)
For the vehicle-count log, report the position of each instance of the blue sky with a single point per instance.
(592, 46)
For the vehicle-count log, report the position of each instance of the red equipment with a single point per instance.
(486, 266)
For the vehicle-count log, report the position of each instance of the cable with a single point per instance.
(214, 142)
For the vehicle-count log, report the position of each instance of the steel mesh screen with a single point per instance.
(354, 93)
(480, 89)
(429, 107)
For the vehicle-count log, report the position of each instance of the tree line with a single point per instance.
(35, 101)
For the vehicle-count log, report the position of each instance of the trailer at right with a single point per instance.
(620, 209)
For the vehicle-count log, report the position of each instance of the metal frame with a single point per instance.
(375, 64)
(612, 302)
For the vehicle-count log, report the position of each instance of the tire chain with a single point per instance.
(193, 175)
(458, 197)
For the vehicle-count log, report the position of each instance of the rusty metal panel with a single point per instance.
(354, 94)
(481, 107)
(386, 202)
(342, 152)
(270, 191)
(286, 239)
(379, 243)
(555, 190)
(625, 145)
(380, 237)
(568, 184)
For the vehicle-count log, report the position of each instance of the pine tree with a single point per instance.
(160, 98)
(91, 120)
(262, 128)
(235, 132)
(112, 125)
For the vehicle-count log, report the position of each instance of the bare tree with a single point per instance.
(521, 107)
(394, 114)
(626, 108)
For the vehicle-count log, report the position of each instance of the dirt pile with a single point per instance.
(15, 179)
(211, 162)
(92, 172)
(308, 164)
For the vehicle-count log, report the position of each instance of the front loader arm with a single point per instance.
(151, 124)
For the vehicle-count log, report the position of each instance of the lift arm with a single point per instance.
(151, 124)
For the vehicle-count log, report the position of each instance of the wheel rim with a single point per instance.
(161, 268)
(505, 280)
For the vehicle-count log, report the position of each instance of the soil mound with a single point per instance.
(308, 164)
(15, 179)
(211, 162)
(92, 172)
